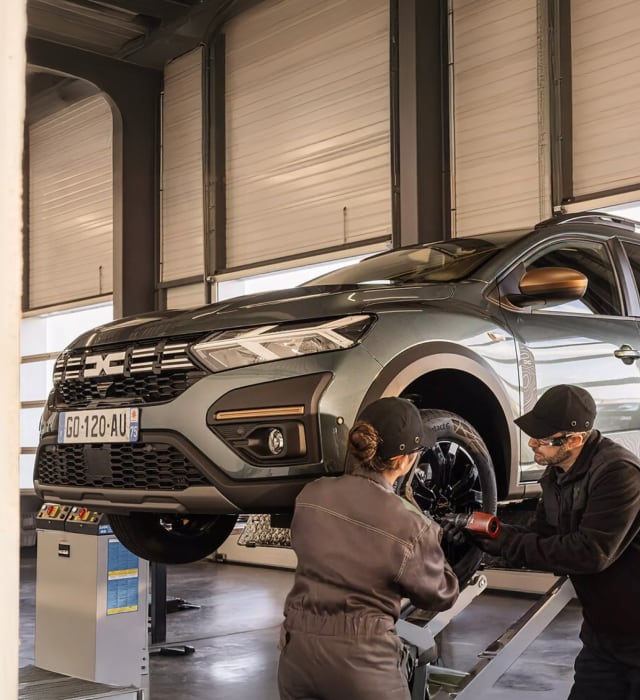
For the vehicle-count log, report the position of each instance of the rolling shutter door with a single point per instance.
(182, 237)
(606, 95)
(307, 128)
(500, 160)
(71, 204)
(186, 296)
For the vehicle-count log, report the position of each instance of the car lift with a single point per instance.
(418, 630)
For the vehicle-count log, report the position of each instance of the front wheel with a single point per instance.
(455, 476)
(171, 539)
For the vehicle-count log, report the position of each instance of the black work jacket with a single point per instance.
(588, 526)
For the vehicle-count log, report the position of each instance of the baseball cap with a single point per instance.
(399, 424)
(564, 407)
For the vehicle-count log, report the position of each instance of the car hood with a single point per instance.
(298, 304)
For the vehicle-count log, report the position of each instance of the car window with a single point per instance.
(592, 259)
(633, 253)
(444, 261)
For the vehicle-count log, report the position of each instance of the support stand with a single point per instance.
(158, 612)
(160, 608)
(446, 683)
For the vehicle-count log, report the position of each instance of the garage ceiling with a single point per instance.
(144, 32)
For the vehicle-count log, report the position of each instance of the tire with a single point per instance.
(455, 476)
(172, 539)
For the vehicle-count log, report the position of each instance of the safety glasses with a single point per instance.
(550, 441)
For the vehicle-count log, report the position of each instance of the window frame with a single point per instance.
(620, 267)
(599, 248)
(631, 285)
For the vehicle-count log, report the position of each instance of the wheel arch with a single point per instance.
(449, 377)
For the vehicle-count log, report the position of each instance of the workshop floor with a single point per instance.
(235, 634)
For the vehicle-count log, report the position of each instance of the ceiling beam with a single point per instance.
(164, 10)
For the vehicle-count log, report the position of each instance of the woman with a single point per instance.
(361, 549)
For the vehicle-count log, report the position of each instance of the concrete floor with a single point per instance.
(235, 635)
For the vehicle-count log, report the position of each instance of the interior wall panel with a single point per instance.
(182, 230)
(71, 204)
(605, 54)
(308, 127)
(186, 296)
(499, 130)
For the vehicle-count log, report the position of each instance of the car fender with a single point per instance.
(424, 358)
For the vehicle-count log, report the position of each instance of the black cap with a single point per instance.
(564, 407)
(399, 424)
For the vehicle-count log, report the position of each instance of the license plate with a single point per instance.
(104, 425)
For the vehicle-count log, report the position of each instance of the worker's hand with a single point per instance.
(452, 533)
(492, 546)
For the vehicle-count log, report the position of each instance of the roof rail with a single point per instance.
(592, 217)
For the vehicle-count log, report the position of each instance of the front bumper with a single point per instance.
(180, 479)
(197, 453)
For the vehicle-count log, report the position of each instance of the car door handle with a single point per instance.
(627, 354)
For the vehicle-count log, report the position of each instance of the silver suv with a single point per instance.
(176, 422)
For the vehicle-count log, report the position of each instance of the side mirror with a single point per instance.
(549, 285)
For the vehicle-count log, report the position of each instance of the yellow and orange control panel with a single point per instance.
(53, 511)
(79, 514)
(54, 516)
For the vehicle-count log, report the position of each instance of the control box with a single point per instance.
(52, 516)
(92, 600)
(89, 521)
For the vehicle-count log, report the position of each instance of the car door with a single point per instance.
(590, 341)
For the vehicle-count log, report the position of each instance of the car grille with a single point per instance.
(144, 373)
(155, 466)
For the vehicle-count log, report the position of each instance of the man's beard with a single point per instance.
(553, 461)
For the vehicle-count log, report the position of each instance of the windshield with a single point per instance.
(444, 261)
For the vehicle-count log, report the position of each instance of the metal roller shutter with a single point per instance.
(500, 157)
(182, 237)
(185, 297)
(307, 125)
(606, 95)
(71, 204)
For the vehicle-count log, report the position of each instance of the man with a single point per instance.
(587, 526)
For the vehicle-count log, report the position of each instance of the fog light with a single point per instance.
(275, 441)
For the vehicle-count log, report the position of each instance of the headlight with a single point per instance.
(252, 346)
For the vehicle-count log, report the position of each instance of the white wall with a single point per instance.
(12, 71)
(46, 334)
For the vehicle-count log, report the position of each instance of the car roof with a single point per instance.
(505, 244)
(600, 218)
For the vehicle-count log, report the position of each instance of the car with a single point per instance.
(176, 422)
